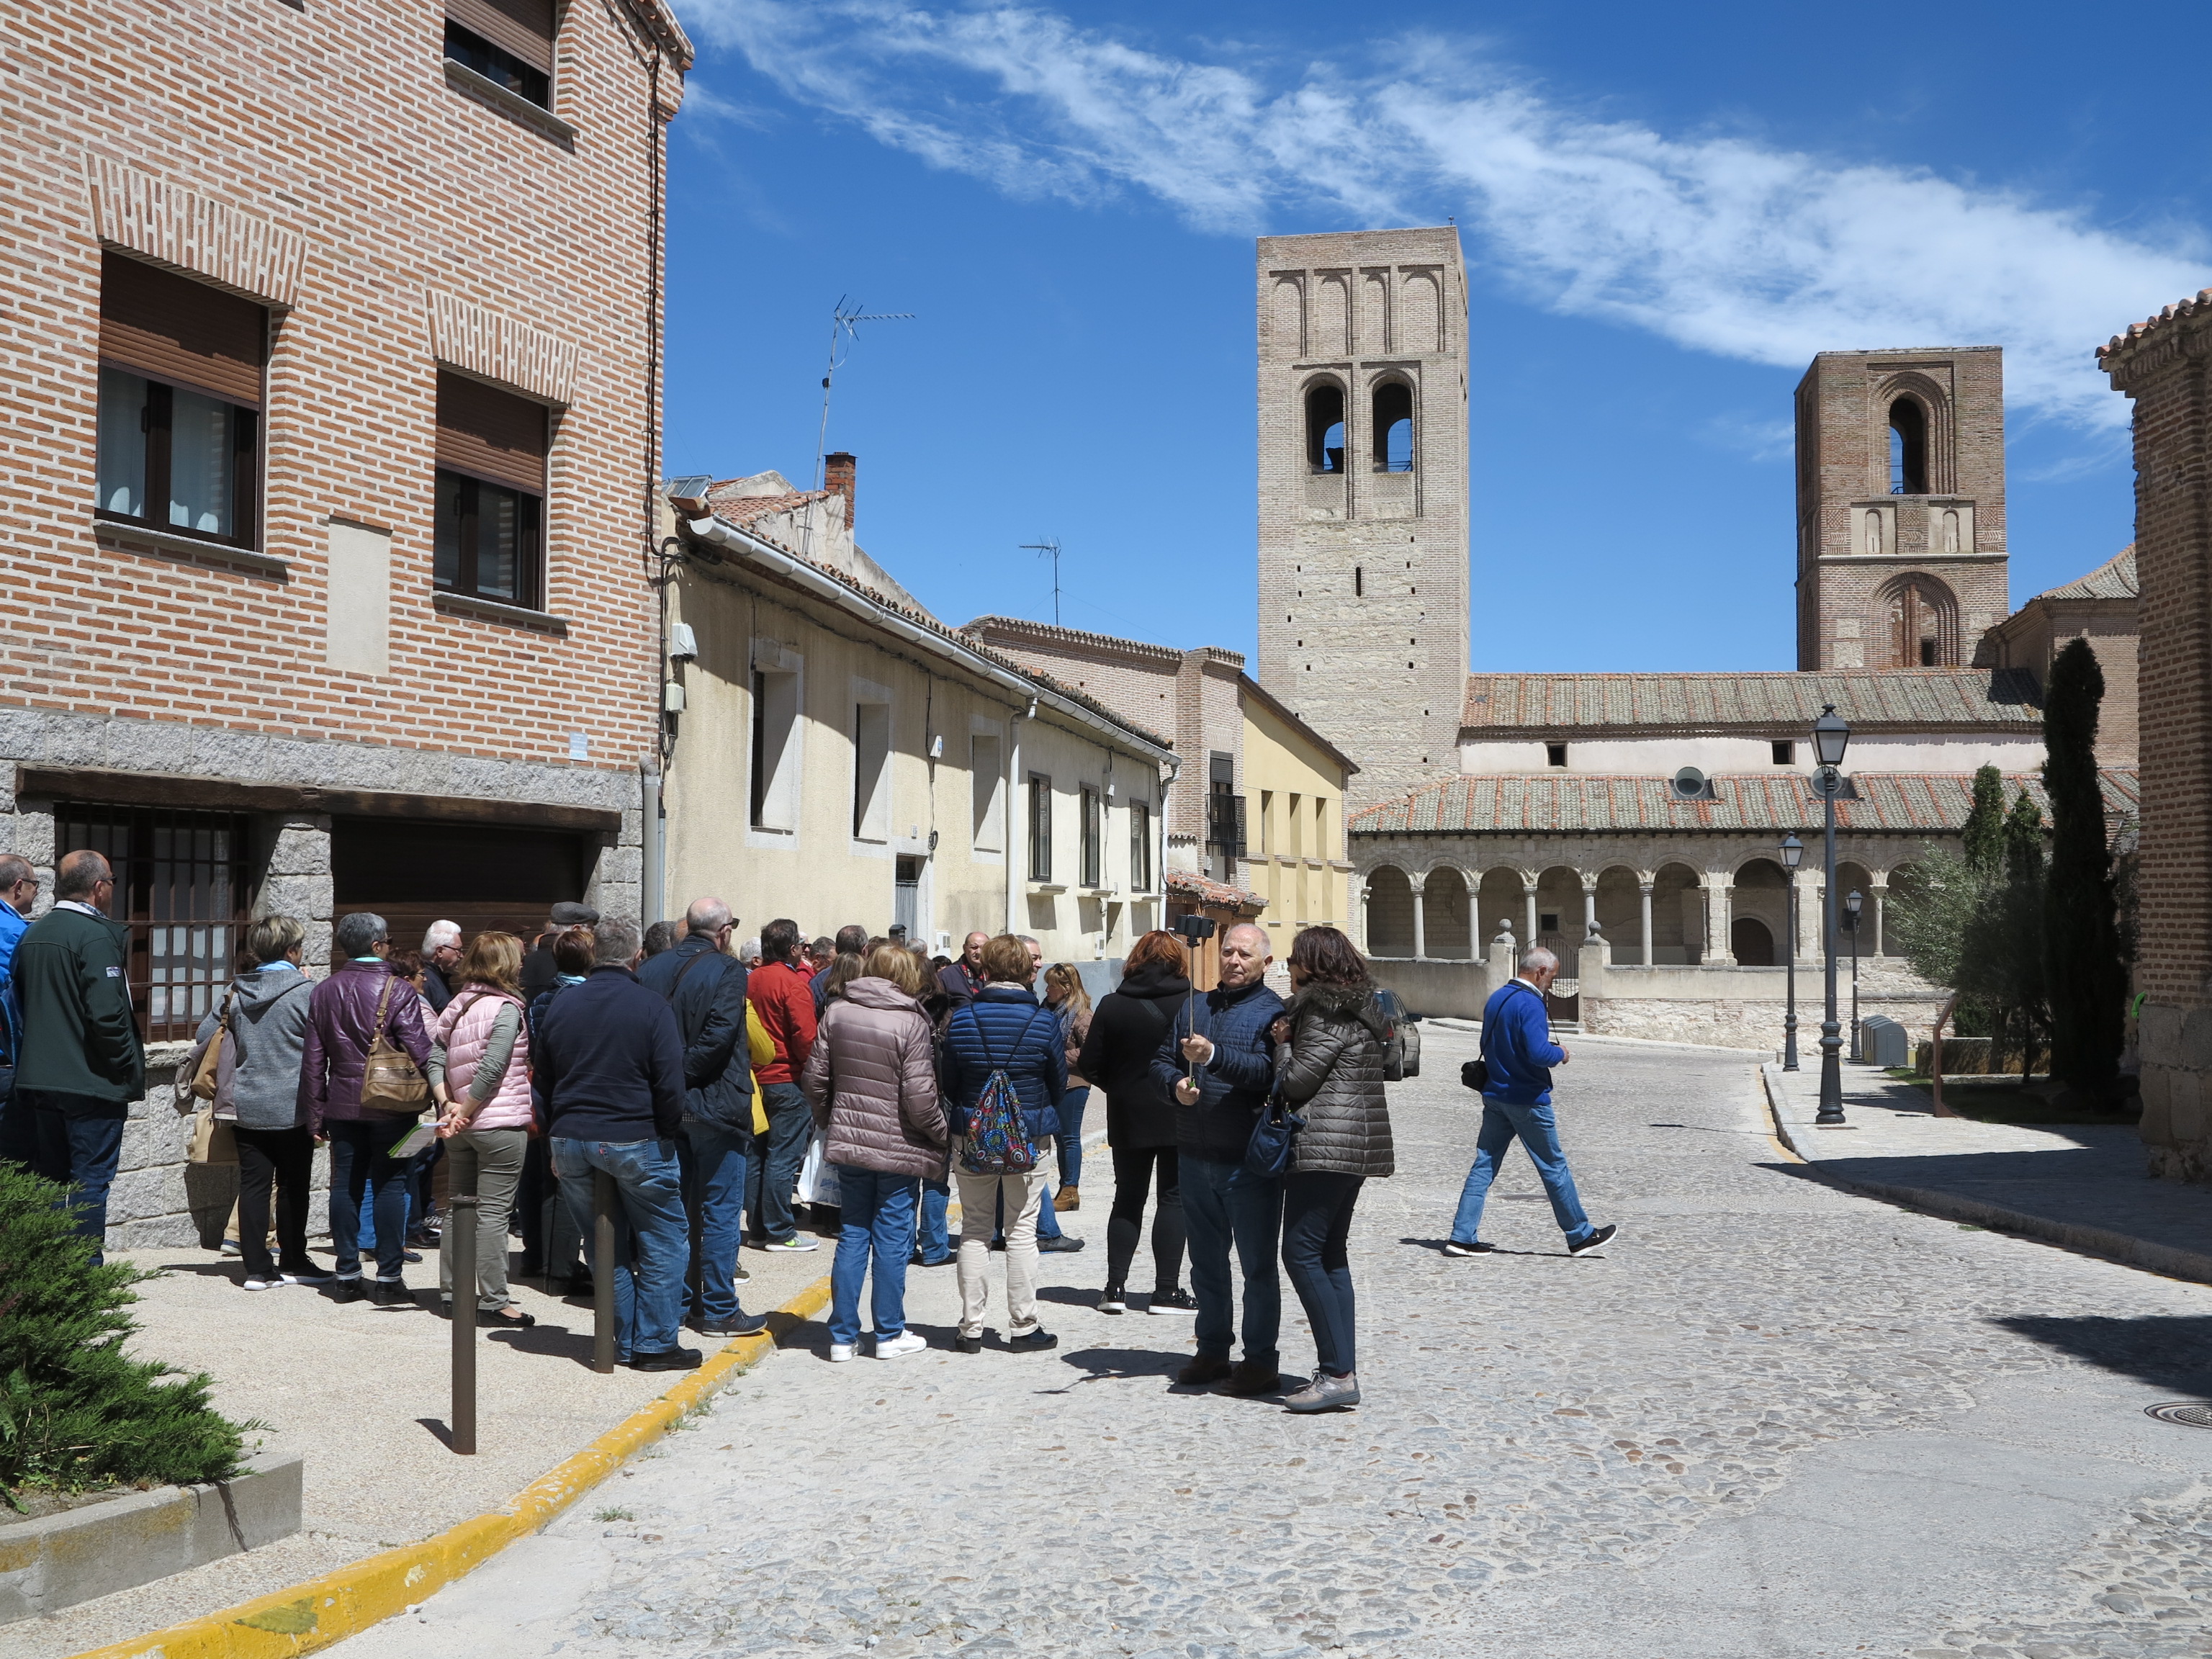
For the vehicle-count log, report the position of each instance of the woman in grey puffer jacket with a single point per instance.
(267, 1008)
(872, 1079)
(1329, 1064)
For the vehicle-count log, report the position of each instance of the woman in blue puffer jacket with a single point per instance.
(1004, 1029)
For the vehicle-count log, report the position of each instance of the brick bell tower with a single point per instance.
(1901, 508)
(1364, 495)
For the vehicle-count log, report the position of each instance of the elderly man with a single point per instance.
(852, 940)
(1217, 1065)
(1519, 1053)
(540, 972)
(962, 980)
(706, 986)
(441, 959)
(82, 1065)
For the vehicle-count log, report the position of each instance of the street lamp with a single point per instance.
(1831, 733)
(1793, 850)
(1851, 903)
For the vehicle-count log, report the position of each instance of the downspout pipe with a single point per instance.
(652, 882)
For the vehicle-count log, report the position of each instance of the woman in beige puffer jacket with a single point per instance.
(872, 1079)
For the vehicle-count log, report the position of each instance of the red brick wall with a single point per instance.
(335, 124)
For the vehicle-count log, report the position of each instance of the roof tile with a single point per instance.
(1914, 699)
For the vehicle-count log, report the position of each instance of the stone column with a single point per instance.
(1644, 888)
(1879, 885)
(1590, 907)
(1529, 887)
(1720, 952)
(1421, 920)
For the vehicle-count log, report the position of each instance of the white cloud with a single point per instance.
(1717, 243)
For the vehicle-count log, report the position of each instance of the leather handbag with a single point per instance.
(1268, 1152)
(391, 1081)
(215, 1063)
(214, 1140)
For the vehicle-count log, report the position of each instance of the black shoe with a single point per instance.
(348, 1289)
(391, 1293)
(918, 1260)
(1596, 1241)
(1168, 1302)
(1467, 1247)
(1112, 1301)
(1035, 1340)
(1067, 1241)
(1206, 1368)
(1249, 1380)
(310, 1274)
(670, 1359)
(743, 1325)
(967, 1344)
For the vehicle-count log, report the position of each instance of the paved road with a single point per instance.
(1774, 1421)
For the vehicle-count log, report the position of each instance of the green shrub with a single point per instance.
(76, 1413)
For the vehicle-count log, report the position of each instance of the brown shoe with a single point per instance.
(1250, 1379)
(1204, 1369)
(1067, 1198)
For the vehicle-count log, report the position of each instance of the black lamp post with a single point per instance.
(1852, 902)
(1793, 850)
(1831, 733)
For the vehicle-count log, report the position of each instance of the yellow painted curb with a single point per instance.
(348, 1601)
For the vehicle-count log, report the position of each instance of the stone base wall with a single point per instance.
(1742, 1023)
(2176, 1045)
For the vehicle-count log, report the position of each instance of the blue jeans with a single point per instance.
(876, 1212)
(359, 1168)
(1225, 1204)
(650, 1234)
(74, 1140)
(934, 1245)
(1316, 1226)
(716, 1162)
(773, 1175)
(1541, 1135)
(1071, 1136)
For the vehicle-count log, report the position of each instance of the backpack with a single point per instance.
(998, 1141)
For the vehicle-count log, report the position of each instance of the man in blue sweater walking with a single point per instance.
(1518, 1049)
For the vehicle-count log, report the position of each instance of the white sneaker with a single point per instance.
(841, 1352)
(904, 1342)
(797, 1244)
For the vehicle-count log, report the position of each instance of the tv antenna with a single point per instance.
(844, 328)
(1050, 547)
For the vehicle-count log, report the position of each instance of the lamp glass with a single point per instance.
(1851, 903)
(1793, 851)
(1831, 733)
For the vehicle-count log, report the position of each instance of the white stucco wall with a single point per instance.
(1664, 756)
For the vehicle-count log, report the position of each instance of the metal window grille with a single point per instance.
(1039, 828)
(184, 887)
(1094, 839)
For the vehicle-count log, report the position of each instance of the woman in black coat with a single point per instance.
(1127, 1029)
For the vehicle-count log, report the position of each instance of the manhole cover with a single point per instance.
(2189, 1413)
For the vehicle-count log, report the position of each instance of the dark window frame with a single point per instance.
(530, 541)
(1039, 827)
(1555, 754)
(157, 424)
(1320, 456)
(464, 46)
(1094, 837)
(1140, 847)
(1391, 388)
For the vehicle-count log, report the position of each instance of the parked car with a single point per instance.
(1401, 1050)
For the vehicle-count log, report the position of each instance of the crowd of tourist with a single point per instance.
(707, 1082)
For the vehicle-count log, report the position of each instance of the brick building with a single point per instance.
(2161, 365)
(331, 392)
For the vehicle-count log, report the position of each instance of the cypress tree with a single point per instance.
(1984, 830)
(2083, 975)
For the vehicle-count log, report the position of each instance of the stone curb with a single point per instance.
(2082, 1240)
(322, 1611)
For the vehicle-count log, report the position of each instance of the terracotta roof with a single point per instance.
(2150, 325)
(1567, 803)
(1022, 628)
(1777, 704)
(1184, 884)
(2115, 579)
(747, 511)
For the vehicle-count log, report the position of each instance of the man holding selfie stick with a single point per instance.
(1217, 1065)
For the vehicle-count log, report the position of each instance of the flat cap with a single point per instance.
(565, 915)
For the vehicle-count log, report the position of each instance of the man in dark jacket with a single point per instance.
(441, 960)
(964, 978)
(706, 986)
(82, 1065)
(343, 1025)
(539, 971)
(610, 1058)
(1518, 1050)
(852, 940)
(1217, 1065)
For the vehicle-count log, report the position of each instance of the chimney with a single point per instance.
(837, 470)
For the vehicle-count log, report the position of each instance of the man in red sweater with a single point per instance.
(782, 994)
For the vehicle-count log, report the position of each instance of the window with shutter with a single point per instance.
(179, 409)
(506, 41)
(490, 498)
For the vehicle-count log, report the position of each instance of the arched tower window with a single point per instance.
(1325, 428)
(1393, 426)
(1923, 623)
(1908, 447)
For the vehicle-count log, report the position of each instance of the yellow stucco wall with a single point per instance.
(1294, 834)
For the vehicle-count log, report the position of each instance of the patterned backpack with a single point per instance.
(998, 1141)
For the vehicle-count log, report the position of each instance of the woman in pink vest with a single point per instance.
(481, 1043)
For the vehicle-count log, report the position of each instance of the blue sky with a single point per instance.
(1665, 212)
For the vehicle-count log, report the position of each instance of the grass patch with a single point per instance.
(613, 1514)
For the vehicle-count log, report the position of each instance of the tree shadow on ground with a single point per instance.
(2165, 1351)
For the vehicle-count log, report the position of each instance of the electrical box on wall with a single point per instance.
(682, 643)
(671, 698)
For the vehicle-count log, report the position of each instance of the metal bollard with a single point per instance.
(603, 1271)
(461, 1243)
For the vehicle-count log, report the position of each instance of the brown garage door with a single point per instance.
(413, 874)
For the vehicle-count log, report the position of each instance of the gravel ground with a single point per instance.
(1773, 1419)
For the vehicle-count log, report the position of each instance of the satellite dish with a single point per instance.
(1690, 783)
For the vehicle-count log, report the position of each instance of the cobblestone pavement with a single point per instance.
(1773, 1419)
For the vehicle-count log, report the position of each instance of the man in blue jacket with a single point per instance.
(1218, 1065)
(1517, 1046)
